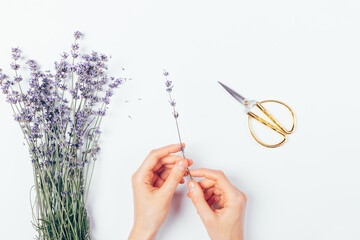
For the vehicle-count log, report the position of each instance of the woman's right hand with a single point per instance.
(220, 204)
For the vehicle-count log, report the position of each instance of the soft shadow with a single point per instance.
(92, 220)
(251, 203)
(175, 208)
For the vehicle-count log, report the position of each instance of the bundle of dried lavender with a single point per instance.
(60, 115)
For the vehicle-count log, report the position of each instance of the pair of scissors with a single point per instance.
(275, 125)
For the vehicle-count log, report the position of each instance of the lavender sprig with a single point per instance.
(169, 88)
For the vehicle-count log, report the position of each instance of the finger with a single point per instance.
(167, 160)
(154, 178)
(175, 176)
(197, 197)
(158, 183)
(156, 154)
(206, 183)
(211, 201)
(216, 175)
(212, 195)
(190, 162)
(208, 193)
(172, 159)
(164, 174)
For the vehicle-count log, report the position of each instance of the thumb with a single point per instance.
(175, 176)
(197, 197)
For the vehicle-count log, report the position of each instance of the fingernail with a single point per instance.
(192, 187)
(181, 165)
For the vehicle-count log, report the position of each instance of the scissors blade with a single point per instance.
(237, 96)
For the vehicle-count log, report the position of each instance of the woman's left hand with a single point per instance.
(154, 184)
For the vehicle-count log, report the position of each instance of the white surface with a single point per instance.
(306, 53)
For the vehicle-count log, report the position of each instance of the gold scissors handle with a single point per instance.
(277, 128)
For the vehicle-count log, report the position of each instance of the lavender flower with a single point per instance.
(77, 35)
(75, 46)
(59, 114)
(74, 53)
(101, 112)
(18, 78)
(103, 57)
(168, 84)
(109, 93)
(2, 76)
(32, 65)
(15, 66)
(106, 100)
(15, 56)
(15, 50)
(5, 85)
(15, 53)
(97, 130)
(169, 87)
(64, 55)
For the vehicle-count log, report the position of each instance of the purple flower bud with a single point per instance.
(63, 87)
(32, 64)
(15, 56)
(97, 130)
(106, 100)
(109, 93)
(101, 112)
(169, 89)
(168, 83)
(64, 55)
(18, 78)
(5, 86)
(103, 57)
(12, 98)
(15, 50)
(17, 117)
(75, 54)
(2, 77)
(78, 34)
(15, 66)
(115, 83)
(176, 114)
(75, 46)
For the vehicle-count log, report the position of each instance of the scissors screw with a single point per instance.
(246, 103)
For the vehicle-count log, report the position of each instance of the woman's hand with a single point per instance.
(220, 205)
(154, 184)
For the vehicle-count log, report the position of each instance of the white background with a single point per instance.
(306, 53)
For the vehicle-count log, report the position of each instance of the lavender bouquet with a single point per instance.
(60, 115)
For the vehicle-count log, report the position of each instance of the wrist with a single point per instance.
(238, 234)
(145, 233)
